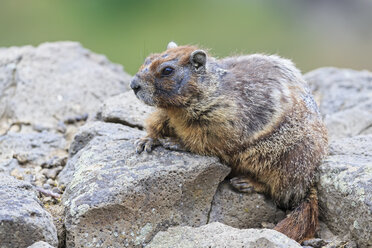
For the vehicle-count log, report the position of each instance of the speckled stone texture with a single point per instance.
(243, 210)
(345, 189)
(42, 85)
(32, 149)
(345, 100)
(218, 235)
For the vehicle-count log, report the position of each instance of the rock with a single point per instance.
(119, 198)
(126, 109)
(350, 122)
(23, 220)
(51, 182)
(31, 148)
(87, 133)
(23, 153)
(55, 162)
(345, 189)
(342, 244)
(41, 86)
(45, 91)
(51, 173)
(345, 98)
(242, 210)
(219, 235)
(315, 243)
(325, 234)
(40, 244)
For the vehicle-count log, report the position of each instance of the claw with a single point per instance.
(146, 144)
(139, 149)
(136, 143)
(139, 144)
(242, 184)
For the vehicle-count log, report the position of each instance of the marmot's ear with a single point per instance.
(198, 58)
(172, 44)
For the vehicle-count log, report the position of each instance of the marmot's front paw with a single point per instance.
(146, 143)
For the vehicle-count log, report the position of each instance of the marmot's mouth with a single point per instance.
(136, 90)
(142, 96)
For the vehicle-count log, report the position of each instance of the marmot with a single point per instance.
(254, 112)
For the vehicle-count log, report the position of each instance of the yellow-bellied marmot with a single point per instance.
(254, 112)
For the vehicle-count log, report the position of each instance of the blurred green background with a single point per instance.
(312, 33)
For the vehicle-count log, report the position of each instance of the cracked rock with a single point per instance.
(117, 197)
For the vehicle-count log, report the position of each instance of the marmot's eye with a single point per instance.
(167, 71)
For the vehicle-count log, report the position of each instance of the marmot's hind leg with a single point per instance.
(247, 184)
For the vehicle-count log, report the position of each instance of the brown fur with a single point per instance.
(302, 222)
(254, 112)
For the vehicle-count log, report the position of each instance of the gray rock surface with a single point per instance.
(241, 210)
(23, 220)
(40, 244)
(345, 98)
(126, 109)
(46, 93)
(119, 198)
(88, 132)
(44, 85)
(23, 153)
(345, 189)
(220, 235)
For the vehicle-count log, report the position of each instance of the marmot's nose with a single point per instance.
(134, 84)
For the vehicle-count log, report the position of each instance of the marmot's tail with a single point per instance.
(302, 222)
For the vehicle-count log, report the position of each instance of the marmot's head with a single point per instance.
(170, 78)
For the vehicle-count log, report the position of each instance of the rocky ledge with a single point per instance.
(69, 175)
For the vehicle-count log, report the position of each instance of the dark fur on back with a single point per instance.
(254, 112)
